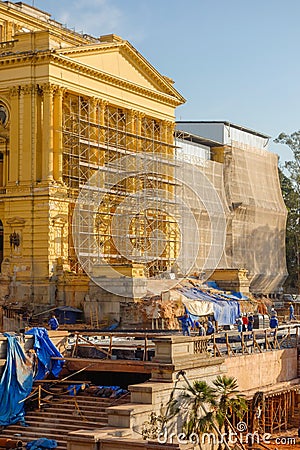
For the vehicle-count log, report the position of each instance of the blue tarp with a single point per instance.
(226, 310)
(67, 314)
(235, 294)
(239, 295)
(16, 383)
(73, 389)
(41, 444)
(45, 349)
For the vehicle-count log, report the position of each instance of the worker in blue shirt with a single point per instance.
(210, 329)
(53, 323)
(274, 322)
(185, 323)
(291, 309)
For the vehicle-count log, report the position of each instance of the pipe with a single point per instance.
(10, 443)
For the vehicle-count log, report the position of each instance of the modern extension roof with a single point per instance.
(180, 134)
(228, 124)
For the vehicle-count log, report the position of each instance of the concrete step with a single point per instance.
(69, 409)
(73, 415)
(26, 436)
(61, 415)
(64, 420)
(87, 400)
(82, 401)
(71, 403)
(54, 426)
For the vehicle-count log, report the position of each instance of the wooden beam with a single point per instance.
(106, 365)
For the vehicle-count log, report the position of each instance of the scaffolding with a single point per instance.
(136, 200)
(122, 164)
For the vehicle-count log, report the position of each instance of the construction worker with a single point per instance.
(274, 322)
(185, 323)
(291, 310)
(53, 323)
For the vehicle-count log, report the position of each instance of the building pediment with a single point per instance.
(120, 59)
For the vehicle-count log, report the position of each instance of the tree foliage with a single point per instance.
(290, 185)
(201, 408)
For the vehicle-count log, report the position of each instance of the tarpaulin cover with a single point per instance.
(234, 294)
(16, 383)
(73, 389)
(41, 444)
(239, 295)
(225, 310)
(198, 309)
(45, 349)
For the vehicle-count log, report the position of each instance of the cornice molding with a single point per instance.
(78, 67)
(36, 24)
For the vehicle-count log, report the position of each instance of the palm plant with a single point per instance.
(202, 404)
(199, 399)
(229, 402)
(211, 407)
(201, 408)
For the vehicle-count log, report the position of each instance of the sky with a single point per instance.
(232, 60)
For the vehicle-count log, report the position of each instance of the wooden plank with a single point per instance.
(106, 365)
(69, 381)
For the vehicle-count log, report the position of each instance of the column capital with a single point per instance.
(94, 101)
(102, 103)
(49, 88)
(14, 91)
(133, 112)
(28, 89)
(169, 123)
(59, 90)
(140, 115)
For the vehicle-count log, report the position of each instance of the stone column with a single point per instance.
(167, 136)
(47, 145)
(140, 117)
(57, 135)
(28, 133)
(94, 133)
(14, 156)
(103, 105)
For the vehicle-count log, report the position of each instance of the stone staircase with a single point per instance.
(62, 414)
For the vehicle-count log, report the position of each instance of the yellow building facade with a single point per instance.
(70, 106)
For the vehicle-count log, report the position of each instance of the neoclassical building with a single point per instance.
(72, 105)
(96, 195)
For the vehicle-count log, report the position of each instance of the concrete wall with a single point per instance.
(257, 371)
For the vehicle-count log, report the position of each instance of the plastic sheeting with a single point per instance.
(201, 303)
(45, 349)
(198, 309)
(41, 444)
(16, 383)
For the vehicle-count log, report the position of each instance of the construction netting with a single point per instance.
(135, 199)
(247, 185)
(258, 216)
(135, 202)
